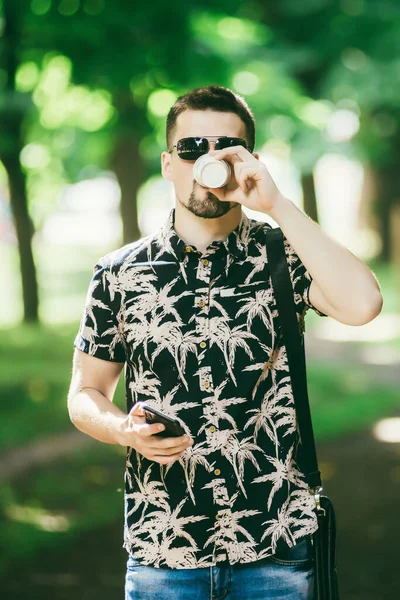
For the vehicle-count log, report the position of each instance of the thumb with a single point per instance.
(137, 413)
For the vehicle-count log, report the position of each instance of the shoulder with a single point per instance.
(257, 228)
(258, 231)
(120, 258)
(261, 230)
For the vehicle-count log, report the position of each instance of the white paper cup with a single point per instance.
(210, 172)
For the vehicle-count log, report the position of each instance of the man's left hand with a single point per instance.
(252, 185)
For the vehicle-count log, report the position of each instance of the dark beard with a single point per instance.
(208, 207)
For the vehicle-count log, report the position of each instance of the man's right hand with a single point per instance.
(138, 434)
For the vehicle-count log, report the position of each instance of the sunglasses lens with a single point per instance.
(192, 148)
(228, 142)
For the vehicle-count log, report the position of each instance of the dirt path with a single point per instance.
(365, 490)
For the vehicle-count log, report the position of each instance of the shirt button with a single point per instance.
(217, 517)
(205, 262)
(203, 345)
(206, 384)
(188, 249)
(212, 429)
(201, 303)
(217, 472)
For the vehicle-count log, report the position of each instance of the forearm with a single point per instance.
(93, 414)
(343, 278)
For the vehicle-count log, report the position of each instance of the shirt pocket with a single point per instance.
(242, 289)
(249, 309)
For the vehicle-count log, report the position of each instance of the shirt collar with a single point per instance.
(235, 244)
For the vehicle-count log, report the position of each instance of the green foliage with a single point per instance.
(348, 53)
(126, 64)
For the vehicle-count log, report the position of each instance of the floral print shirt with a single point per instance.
(201, 341)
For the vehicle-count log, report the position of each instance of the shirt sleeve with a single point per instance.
(100, 333)
(301, 281)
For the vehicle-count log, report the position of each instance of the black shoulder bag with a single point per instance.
(324, 538)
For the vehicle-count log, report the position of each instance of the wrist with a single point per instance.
(120, 431)
(280, 208)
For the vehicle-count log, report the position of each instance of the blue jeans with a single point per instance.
(287, 576)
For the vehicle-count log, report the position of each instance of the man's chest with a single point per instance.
(199, 310)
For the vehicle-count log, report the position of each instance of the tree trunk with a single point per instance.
(131, 172)
(126, 160)
(388, 196)
(24, 230)
(366, 218)
(11, 143)
(395, 234)
(309, 196)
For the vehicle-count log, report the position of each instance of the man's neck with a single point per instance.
(200, 232)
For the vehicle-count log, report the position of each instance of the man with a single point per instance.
(225, 510)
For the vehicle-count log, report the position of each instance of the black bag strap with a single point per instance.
(294, 342)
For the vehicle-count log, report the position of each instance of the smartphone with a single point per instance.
(172, 426)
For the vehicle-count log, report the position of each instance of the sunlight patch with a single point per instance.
(388, 430)
(39, 517)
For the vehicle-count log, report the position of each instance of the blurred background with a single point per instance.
(85, 87)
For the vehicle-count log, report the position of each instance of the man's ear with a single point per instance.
(166, 168)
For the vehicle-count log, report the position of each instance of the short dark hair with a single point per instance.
(213, 97)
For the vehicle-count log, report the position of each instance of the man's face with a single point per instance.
(199, 123)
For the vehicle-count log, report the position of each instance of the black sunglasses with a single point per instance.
(191, 148)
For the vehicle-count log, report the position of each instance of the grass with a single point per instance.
(48, 507)
(345, 400)
(36, 365)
